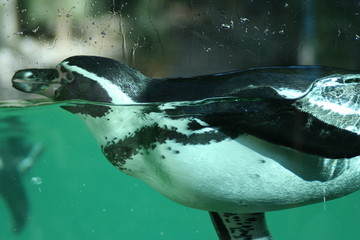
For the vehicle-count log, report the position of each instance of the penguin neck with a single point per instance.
(131, 83)
(111, 82)
(122, 90)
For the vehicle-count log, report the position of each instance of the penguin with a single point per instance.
(16, 157)
(235, 144)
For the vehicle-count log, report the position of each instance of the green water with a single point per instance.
(83, 197)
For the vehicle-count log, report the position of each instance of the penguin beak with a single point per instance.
(39, 81)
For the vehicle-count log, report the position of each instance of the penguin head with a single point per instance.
(89, 78)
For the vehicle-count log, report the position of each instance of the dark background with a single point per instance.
(173, 38)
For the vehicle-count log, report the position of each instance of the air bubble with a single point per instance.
(36, 180)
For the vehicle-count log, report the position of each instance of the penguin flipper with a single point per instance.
(240, 226)
(14, 194)
(29, 159)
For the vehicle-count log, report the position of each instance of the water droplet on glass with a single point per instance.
(281, 32)
(357, 37)
(225, 26)
(286, 5)
(68, 15)
(35, 30)
(243, 20)
(103, 32)
(36, 180)
(207, 49)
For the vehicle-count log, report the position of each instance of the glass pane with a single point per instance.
(71, 190)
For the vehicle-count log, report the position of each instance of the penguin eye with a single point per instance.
(69, 77)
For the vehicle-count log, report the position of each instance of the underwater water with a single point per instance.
(75, 193)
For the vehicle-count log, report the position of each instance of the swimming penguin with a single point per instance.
(234, 144)
(16, 156)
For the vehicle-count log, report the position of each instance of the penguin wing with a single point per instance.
(266, 108)
(276, 121)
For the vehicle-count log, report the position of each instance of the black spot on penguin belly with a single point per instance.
(147, 138)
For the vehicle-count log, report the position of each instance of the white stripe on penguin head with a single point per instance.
(114, 91)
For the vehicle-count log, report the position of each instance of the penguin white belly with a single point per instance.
(230, 177)
(245, 174)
